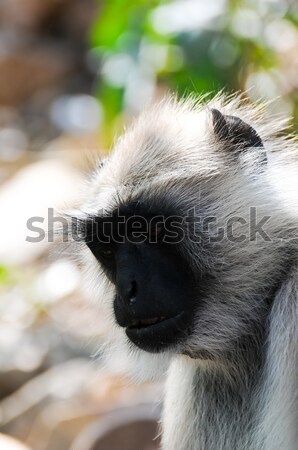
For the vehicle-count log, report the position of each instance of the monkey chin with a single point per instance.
(157, 334)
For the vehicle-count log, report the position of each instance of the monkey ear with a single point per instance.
(234, 130)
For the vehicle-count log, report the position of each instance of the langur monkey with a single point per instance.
(191, 226)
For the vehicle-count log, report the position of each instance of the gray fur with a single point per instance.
(233, 384)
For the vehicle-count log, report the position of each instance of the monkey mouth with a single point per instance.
(155, 333)
(144, 323)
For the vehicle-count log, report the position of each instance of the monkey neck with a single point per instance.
(209, 405)
(247, 403)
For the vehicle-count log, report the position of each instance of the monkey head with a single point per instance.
(167, 227)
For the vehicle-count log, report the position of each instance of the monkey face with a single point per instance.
(154, 285)
(186, 296)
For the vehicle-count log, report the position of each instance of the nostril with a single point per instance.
(127, 291)
(133, 293)
(133, 290)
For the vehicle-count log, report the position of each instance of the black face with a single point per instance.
(155, 288)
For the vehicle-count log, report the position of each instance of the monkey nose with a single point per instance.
(128, 292)
(132, 300)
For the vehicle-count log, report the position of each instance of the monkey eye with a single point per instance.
(106, 253)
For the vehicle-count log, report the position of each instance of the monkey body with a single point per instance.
(199, 273)
(212, 406)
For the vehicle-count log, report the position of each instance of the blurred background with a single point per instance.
(72, 73)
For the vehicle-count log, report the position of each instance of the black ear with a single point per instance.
(234, 130)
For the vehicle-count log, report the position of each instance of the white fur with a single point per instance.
(170, 150)
(189, 425)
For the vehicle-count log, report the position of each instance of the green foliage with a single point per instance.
(5, 276)
(211, 56)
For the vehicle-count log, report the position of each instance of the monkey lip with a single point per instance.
(144, 323)
(155, 333)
